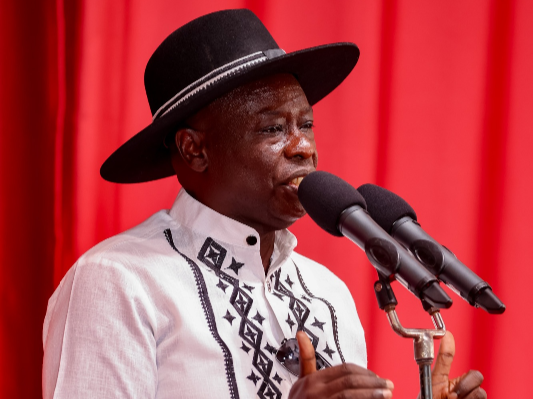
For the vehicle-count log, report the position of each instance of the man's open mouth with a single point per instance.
(296, 181)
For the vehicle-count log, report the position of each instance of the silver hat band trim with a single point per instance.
(214, 76)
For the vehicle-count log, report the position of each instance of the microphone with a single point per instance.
(397, 217)
(339, 209)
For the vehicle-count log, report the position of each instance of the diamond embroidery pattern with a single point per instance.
(235, 266)
(212, 255)
(300, 311)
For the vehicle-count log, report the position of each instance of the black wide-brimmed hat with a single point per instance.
(205, 59)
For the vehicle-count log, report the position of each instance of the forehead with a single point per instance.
(270, 93)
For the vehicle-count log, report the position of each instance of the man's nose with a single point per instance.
(300, 145)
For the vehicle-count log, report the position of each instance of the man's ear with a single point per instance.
(190, 145)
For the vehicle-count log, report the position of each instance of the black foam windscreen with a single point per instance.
(325, 196)
(384, 206)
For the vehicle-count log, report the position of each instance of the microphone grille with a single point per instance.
(325, 196)
(384, 206)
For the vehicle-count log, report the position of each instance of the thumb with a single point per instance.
(307, 354)
(443, 364)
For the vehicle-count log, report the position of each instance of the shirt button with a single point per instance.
(251, 240)
(268, 286)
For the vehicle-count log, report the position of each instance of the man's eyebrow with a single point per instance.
(269, 111)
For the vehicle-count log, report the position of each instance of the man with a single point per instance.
(206, 299)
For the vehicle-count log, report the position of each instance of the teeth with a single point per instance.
(296, 181)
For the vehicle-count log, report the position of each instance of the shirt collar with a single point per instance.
(191, 213)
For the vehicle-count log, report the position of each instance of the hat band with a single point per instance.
(215, 75)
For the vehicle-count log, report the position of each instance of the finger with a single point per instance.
(332, 373)
(363, 394)
(307, 354)
(444, 361)
(359, 381)
(478, 393)
(467, 383)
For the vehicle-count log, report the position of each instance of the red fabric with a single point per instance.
(438, 110)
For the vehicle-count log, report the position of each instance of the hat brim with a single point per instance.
(144, 157)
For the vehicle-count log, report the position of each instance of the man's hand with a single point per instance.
(466, 386)
(344, 381)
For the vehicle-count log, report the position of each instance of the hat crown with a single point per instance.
(198, 48)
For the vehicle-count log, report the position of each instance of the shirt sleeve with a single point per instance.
(99, 335)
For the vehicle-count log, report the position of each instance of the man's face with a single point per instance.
(259, 144)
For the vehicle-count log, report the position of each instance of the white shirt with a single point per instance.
(180, 307)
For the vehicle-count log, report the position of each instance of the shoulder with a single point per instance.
(140, 241)
(130, 264)
(122, 270)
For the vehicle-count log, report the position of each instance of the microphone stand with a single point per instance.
(422, 338)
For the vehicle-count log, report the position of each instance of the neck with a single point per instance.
(267, 235)
(267, 248)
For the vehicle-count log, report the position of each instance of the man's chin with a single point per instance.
(286, 219)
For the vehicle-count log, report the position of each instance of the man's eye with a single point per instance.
(272, 129)
(308, 125)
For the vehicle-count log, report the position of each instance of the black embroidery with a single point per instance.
(259, 318)
(277, 378)
(331, 311)
(212, 254)
(254, 378)
(329, 351)
(270, 348)
(306, 298)
(318, 324)
(299, 309)
(252, 335)
(245, 348)
(290, 322)
(278, 295)
(241, 301)
(235, 266)
(247, 287)
(288, 281)
(270, 393)
(208, 309)
(222, 286)
(229, 317)
(262, 362)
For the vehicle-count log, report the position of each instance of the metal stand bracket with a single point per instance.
(424, 350)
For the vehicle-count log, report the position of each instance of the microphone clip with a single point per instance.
(423, 338)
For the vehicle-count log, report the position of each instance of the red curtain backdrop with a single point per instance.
(438, 110)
